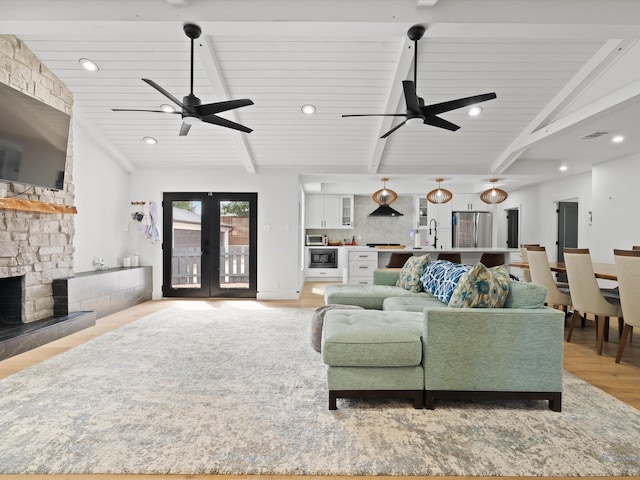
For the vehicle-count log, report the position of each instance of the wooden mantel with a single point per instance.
(21, 205)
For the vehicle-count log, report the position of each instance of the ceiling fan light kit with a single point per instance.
(493, 195)
(417, 112)
(439, 195)
(191, 108)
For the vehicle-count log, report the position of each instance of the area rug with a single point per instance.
(241, 391)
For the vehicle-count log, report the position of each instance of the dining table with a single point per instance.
(605, 271)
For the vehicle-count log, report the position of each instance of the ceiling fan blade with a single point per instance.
(410, 96)
(437, 108)
(184, 129)
(223, 122)
(138, 110)
(441, 122)
(211, 108)
(393, 129)
(379, 115)
(164, 92)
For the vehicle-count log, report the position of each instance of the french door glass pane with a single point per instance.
(186, 256)
(234, 244)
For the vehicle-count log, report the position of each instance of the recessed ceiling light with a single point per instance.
(563, 168)
(308, 109)
(89, 65)
(474, 111)
(150, 140)
(167, 108)
(617, 139)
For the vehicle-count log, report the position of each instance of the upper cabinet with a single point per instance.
(466, 201)
(429, 215)
(329, 211)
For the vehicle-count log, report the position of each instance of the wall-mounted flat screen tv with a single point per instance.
(33, 140)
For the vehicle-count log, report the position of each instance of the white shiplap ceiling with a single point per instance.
(561, 69)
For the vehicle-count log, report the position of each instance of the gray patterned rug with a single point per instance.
(241, 391)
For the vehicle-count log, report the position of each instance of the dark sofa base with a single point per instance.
(416, 395)
(555, 398)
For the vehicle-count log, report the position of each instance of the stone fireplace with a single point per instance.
(35, 247)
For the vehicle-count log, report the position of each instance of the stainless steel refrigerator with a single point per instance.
(472, 229)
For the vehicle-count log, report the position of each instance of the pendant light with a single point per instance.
(439, 195)
(384, 197)
(493, 195)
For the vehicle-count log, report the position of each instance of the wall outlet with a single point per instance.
(276, 285)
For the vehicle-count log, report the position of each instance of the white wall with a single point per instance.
(537, 211)
(616, 198)
(278, 220)
(101, 193)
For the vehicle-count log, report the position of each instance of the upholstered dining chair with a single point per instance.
(525, 259)
(452, 257)
(541, 274)
(628, 272)
(586, 295)
(492, 259)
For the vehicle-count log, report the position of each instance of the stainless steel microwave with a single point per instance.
(316, 239)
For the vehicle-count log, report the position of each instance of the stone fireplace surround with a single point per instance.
(36, 247)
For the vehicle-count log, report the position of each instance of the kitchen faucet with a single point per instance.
(435, 232)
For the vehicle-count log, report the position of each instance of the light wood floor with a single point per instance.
(620, 380)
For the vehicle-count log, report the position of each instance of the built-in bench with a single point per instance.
(102, 291)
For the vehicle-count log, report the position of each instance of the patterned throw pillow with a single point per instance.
(441, 277)
(409, 278)
(482, 287)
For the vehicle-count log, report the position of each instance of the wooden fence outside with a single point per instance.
(186, 267)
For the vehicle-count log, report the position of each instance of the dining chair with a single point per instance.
(628, 272)
(492, 259)
(397, 260)
(452, 257)
(541, 274)
(525, 259)
(586, 296)
(635, 247)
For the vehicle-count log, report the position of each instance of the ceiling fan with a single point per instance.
(417, 112)
(192, 110)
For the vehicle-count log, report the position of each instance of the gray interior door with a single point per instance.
(567, 230)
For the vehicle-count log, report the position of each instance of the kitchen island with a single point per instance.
(361, 261)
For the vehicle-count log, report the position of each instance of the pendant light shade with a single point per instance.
(439, 195)
(493, 195)
(384, 197)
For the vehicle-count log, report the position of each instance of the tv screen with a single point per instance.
(33, 140)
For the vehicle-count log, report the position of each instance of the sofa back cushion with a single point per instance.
(411, 272)
(525, 295)
(441, 277)
(481, 287)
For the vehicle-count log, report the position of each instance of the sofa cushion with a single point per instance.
(482, 287)
(441, 277)
(361, 338)
(411, 304)
(411, 272)
(366, 296)
(525, 295)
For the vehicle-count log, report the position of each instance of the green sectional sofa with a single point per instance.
(409, 345)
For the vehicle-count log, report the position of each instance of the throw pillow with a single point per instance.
(441, 277)
(409, 277)
(482, 287)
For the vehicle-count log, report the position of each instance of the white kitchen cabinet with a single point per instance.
(361, 267)
(466, 201)
(421, 212)
(329, 211)
(441, 213)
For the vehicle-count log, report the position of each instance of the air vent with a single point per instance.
(593, 135)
